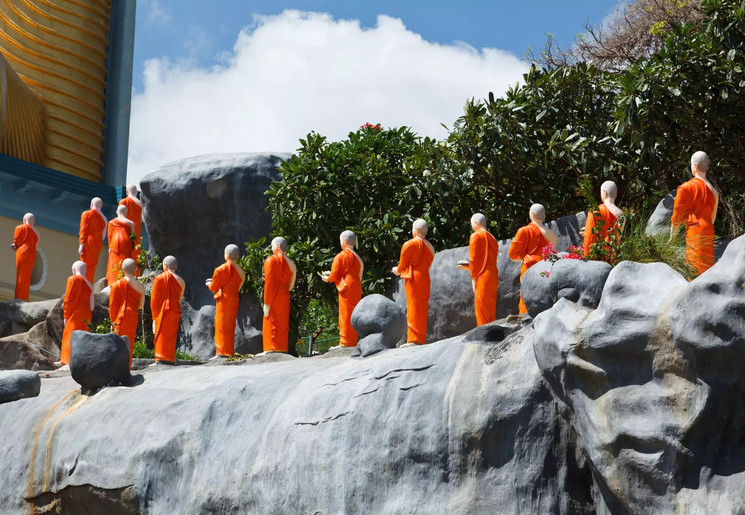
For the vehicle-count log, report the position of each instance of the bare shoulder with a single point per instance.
(291, 264)
(136, 285)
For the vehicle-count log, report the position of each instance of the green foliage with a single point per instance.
(319, 314)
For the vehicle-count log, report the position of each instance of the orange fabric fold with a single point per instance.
(134, 213)
(121, 247)
(165, 306)
(26, 241)
(345, 274)
(605, 232)
(92, 226)
(76, 310)
(483, 250)
(413, 266)
(276, 327)
(124, 312)
(226, 284)
(695, 206)
(527, 246)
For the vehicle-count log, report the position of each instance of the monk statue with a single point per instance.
(608, 212)
(25, 241)
(346, 273)
(696, 204)
(126, 299)
(92, 234)
(416, 257)
(165, 306)
(226, 283)
(134, 213)
(527, 245)
(483, 250)
(121, 243)
(77, 308)
(280, 273)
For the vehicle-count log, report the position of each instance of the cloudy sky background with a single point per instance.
(255, 76)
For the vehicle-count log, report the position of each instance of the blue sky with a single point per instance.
(250, 76)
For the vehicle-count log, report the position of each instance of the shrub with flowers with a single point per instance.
(549, 254)
(368, 125)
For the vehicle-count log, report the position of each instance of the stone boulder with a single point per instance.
(451, 310)
(55, 319)
(453, 427)
(18, 384)
(195, 207)
(380, 324)
(32, 350)
(653, 382)
(98, 360)
(18, 316)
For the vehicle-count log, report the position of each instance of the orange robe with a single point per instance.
(124, 311)
(345, 273)
(76, 310)
(483, 250)
(165, 306)
(26, 240)
(92, 226)
(226, 283)
(134, 213)
(695, 206)
(121, 247)
(605, 233)
(527, 246)
(276, 327)
(413, 265)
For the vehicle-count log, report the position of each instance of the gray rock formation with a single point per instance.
(576, 280)
(659, 222)
(461, 426)
(32, 350)
(380, 324)
(451, 310)
(192, 210)
(55, 319)
(98, 360)
(653, 381)
(17, 316)
(18, 384)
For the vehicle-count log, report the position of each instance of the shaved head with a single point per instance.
(701, 159)
(420, 225)
(132, 190)
(121, 210)
(78, 268)
(281, 242)
(479, 219)
(610, 188)
(232, 251)
(538, 211)
(171, 263)
(96, 203)
(29, 218)
(129, 266)
(348, 237)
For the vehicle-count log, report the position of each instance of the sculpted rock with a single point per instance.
(197, 205)
(98, 360)
(454, 427)
(653, 381)
(17, 316)
(32, 350)
(659, 222)
(380, 324)
(18, 384)
(576, 280)
(451, 310)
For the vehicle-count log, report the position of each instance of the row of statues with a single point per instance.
(695, 207)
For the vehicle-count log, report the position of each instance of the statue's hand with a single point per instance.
(80, 250)
(208, 282)
(325, 275)
(13, 246)
(153, 326)
(395, 270)
(266, 310)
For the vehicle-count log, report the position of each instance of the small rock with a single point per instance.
(380, 324)
(18, 384)
(98, 360)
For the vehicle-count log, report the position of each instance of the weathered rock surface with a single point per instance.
(653, 379)
(98, 360)
(380, 324)
(195, 207)
(18, 384)
(451, 310)
(659, 222)
(32, 350)
(454, 427)
(17, 316)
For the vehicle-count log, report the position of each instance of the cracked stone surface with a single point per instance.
(460, 426)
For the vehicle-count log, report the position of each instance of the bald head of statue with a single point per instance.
(29, 219)
(349, 238)
(700, 162)
(78, 268)
(478, 221)
(419, 228)
(96, 203)
(170, 263)
(610, 189)
(537, 213)
(129, 266)
(232, 252)
(121, 210)
(279, 243)
(132, 190)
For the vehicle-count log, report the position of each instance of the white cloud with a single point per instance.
(296, 72)
(156, 12)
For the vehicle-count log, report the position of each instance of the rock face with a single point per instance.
(659, 222)
(653, 379)
(192, 210)
(460, 426)
(32, 350)
(98, 360)
(17, 316)
(18, 384)
(451, 310)
(380, 324)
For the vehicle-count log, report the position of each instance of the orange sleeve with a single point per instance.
(84, 227)
(115, 301)
(219, 278)
(404, 261)
(271, 280)
(518, 247)
(156, 298)
(20, 236)
(682, 206)
(338, 268)
(477, 254)
(71, 301)
(589, 237)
